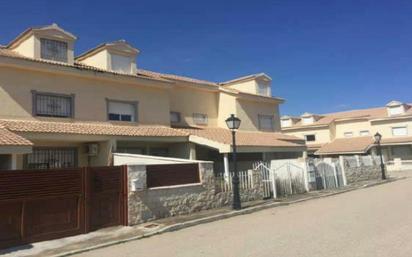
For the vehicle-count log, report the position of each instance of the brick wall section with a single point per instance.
(155, 203)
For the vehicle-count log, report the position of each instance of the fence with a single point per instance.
(224, 184)
(46, 204)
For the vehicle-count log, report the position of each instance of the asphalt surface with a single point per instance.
(375, 221)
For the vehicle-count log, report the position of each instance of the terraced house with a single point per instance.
(58, 110)
(351, 132)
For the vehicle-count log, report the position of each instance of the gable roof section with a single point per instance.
(30, 30)
(248, 77)
(119, 43)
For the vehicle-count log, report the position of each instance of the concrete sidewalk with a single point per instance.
(116, 235)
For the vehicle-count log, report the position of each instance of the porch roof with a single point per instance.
(8, 138)
(352, 145)
(396, 140)
(222, 138)
(90, 128)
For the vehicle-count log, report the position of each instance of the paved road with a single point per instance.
(376, 222)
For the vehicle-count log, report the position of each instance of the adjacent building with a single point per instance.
(62, 110)
(351, 132)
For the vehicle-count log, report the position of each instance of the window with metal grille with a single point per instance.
(50, 158)
(266, 122)
(53, 50)
(53, 105)
(200, 118)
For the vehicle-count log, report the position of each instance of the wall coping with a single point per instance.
(175, 186)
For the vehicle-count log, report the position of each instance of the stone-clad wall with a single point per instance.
(155, 203)
(361, 173)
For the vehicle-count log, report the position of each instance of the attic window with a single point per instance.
(286, 123)
(396, 110)
(308, 120)
(121, 64)
(263, 89)
(53, 50)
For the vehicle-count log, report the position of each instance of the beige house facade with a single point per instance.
(351, 132)
(62, 110)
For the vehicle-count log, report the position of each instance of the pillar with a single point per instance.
(342, 165)
(226, 165)
(13, 164)
(192, 151)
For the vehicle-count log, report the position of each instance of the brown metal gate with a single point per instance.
(38, 205)
(106, 197)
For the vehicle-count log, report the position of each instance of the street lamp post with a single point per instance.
(378, 138)
(233, 124)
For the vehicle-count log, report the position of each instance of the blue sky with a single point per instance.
(323, 56)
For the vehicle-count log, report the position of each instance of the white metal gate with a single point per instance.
(290, 176)
(268, 181)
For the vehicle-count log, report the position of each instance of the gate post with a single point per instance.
(87, 200)
(305, 174)
(273, 180)
(335, 174)
(342, 165)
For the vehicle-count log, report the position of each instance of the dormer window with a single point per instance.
(286, 123)
(309, 118)
(117, 56)
(121, 64)
(53, 50)
(48, 43)
(263, 89)
(395, 108)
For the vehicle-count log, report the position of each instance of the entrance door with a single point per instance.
(106, 197)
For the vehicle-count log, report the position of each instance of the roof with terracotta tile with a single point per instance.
(10, 53)
(313, 146)
(346, 145)
(174, 77)
(367, 114)
(90, 128)
(8, 138)
(246, 138)
(396, 140)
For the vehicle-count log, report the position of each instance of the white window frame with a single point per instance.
(135, 105)
(396, 110)
(54, 50)
(364, 133)
(200, 118)
(263, 89)
(120, 63)
(348, 134)
(272, 123)
(308, 120)
(397, 128)
(306, 137)
(286, 123)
